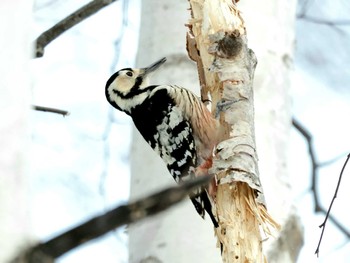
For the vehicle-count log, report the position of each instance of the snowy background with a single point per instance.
(80, 164)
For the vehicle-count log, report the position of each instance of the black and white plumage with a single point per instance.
(174, 122)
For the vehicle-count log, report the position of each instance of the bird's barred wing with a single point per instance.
(166, 124)
(163, 125)
(205, 126)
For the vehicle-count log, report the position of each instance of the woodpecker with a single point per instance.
(173, 121)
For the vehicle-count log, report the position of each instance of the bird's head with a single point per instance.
(125, 87)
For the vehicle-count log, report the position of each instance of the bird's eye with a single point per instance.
(129, 73)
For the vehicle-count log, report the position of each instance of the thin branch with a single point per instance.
(316, 20)
(315, 165)
(73, 19)
(102, 224)
(323, 225)
(304, 6)
(52, 110)
(333, 160)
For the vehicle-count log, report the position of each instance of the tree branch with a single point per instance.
(52, 110)
(315, 165)
(323, 225)
(75, 18)
(100, 225)
(304, 6)
(343, 22)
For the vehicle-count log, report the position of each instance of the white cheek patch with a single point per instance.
(123, 84)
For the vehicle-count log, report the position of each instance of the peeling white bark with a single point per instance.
(228, 65)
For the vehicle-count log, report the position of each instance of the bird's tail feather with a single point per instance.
(202, 203)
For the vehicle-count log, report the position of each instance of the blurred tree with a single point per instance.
(14, 110)
(179, 234)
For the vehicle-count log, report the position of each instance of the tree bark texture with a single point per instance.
(179, 235)
(271, 28)
(226, 67)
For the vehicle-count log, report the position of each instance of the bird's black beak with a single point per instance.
(154, 66)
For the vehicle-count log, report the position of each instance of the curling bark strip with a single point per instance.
(217, 42)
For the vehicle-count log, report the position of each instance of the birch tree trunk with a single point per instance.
(219, 36)
(179, 235)
(270, 27)
(15, 17)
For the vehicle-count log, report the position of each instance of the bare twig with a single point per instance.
(333, 160)
(76, 17)
(343, 22)
(117, 217)
(304, 6)
(323, 225)
(315, 165)
(52, 110)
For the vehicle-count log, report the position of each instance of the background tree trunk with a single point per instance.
(179, 235)
(14, 108)
(271, 34)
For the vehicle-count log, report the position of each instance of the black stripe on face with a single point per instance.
(138, 82)
(109, 82)
(111, 79)
(133, 92)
